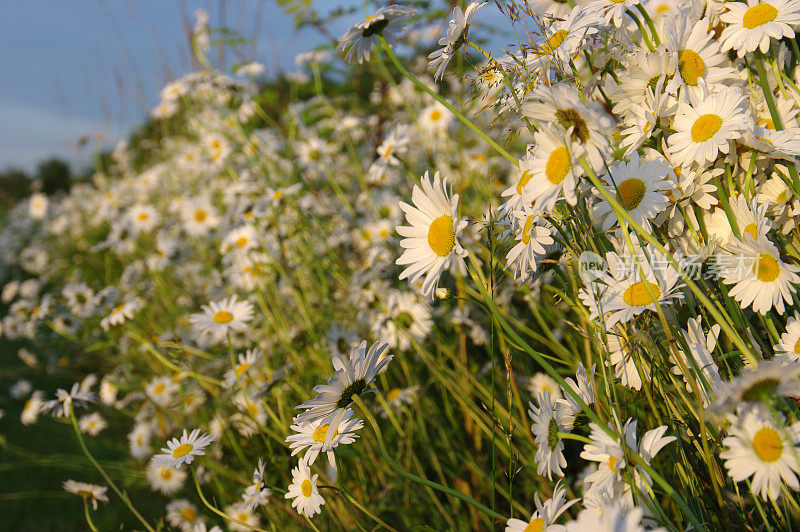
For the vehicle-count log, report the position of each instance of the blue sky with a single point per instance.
(83, 67)
(73, 68)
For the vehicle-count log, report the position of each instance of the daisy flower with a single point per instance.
(454, 38)
(358, 41)
(700, 362)
(37, 206)
(62, 405)
(760, 447)
(183, 450)
(90, 492)
(435, 119)
(220, 317)
(352, 377)
(165, 479)
(772, 378)
(256, 494)
(139, 440)
(431, 241)
(544, 518)
(161, 390)
(705, 126)
(547, 423)
(397, 398)
(615, 516)
(640, 186)
(789, 346)
(92, 424)
(30, 412)
(241, 512)
(240, 240)
(198, 216)
(142, 218)
(554, 169)
(304, 491)
(241, 372)
(312, 437)
(751, 25)
(183, 515)
(532, 235)
(583, 385)
(697, 55)
(394, 144)
(762, 280)
(407, 318)
(563, 38)
(541, 384)
(123, 312)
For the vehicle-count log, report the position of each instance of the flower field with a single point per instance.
(430, 283)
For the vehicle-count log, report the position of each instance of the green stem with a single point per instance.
(220, 512)
(110, 482)
(571, 436)
(361, 507)
(411, 476)
(88, 515)
(444, 102)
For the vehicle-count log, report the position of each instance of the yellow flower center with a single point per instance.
(752, 230)
(222, 317)
(142, 216)
(759, 14)
(182, 450)
(612, 462)
(241, 368)
(767, 123)
(321, 432)
(636, 295)
(523, 180)
(662, 8)
(442, 236)
(306, 488)
(797, 346)
(435, 115)
(388, 151)
(200, 215)
(188, 514)
(394, 393)
(706, 127)
(536, 525)
(159, 388)
(767, 444)
(631, 192)
(767, 268)
(691, 66)
(557, 166)
(553, 42)
(241, 241)
(166, 473)
(526, 230)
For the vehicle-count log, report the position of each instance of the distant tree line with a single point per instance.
(52, 176)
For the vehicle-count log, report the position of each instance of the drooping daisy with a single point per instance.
(640, 187)
(454, 38)
(123, 312)
(183, 450)
(65, 400)
(554, 169)
(358, 41)
(770, 379)
(789, 346)
(244, 371)
(90, 492)
(304, 491)
(397, 398)
(562, 38)
(165, 479)
(256, 494)
(544, 518)
(762, 448)
(761, 278)
(312, 437)
(352, 377)
(241, 512)
(705, 125)
(548, 421)
(532, 235)
(431, 241)
(394, 144)
(220, 317)
(751, 25)
(700, 361)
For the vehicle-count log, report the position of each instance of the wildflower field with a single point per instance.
(529, 276)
